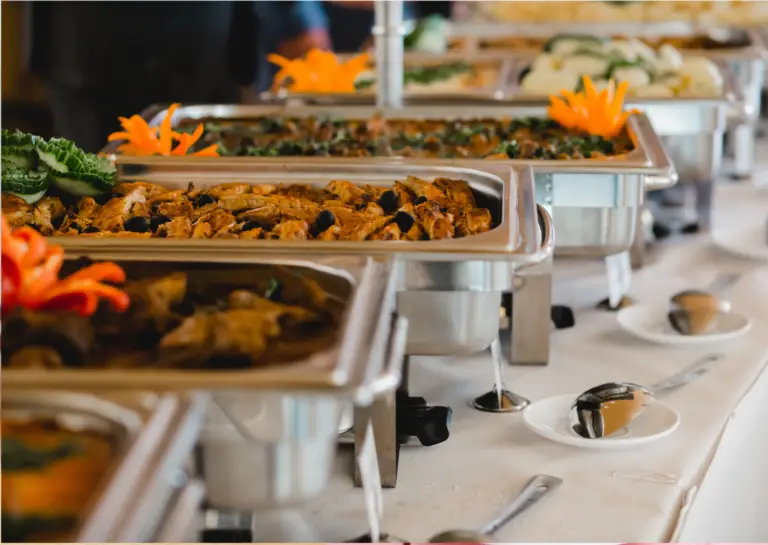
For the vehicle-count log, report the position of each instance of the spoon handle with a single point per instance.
(536, 489)
(686, 376)
(723, 282)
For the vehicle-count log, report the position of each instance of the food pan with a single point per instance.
(136, 433)
(592, 223)
(446, 279)
(690, 129)
(491, 85)
(344, 367)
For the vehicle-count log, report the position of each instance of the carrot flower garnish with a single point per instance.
(319, 72)
(599, 113)
(141, 139)
(31, 277)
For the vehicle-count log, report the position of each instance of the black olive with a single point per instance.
(91, 229)
(156, 221)
(137, 224)
(324, 220)
(404, 221)
(538, 152)
(204, 199)
(389, 202)
(419, 200)
(251, 225)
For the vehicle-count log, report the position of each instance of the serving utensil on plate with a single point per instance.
(608, 408)
(694, 312)
(536, 489)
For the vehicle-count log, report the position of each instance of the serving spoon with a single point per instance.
(537, 488)
(694, 312)
(605, 409)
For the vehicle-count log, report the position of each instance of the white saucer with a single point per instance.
(650, 323)
(549, 419)
(748, 242)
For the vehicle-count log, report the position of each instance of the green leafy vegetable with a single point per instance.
(19, 457)
(19, 147)
(30, 185)
(273, 288)
(74, 170)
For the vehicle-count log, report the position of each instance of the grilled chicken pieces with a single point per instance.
(412, 209)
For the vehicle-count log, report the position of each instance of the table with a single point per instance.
(717, 458)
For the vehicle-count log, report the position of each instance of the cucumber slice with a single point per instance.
(587, 41)
(81, 188)
(32, 198)
(20, 156)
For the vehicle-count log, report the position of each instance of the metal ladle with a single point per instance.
(694, 312)
(536, 489)
(499, 400)
(603, 410)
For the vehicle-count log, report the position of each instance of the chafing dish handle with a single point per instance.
(547, 230)
(393, 370)
(659, 157)
(740, 111)
(180, 521)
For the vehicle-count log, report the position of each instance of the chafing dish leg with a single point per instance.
(704, 204)
(382, 416)
(531, 322)
(638, 251)
(743, 150)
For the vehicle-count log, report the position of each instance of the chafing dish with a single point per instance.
(262, 419)
(494, 73)
(687, 127)
(594, 202)
(137, 425)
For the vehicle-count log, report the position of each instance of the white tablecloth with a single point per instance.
(721, 447)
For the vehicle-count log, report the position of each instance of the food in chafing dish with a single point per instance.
(50, 474)
(437, 78)
(659, 73)
(411, 209)
(522, 138)
(190, 316)
(697, 42)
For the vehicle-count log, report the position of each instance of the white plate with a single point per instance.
(549, 419)
(649, 322)
(748, 242)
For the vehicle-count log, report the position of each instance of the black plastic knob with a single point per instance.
(429, 424)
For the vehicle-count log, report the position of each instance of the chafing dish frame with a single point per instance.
(137, 427)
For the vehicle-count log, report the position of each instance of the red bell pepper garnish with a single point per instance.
(31, 277)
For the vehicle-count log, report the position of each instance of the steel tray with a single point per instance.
(441, 280)
(488, 92)
(347, 369)
(594, 202)
(138, 428)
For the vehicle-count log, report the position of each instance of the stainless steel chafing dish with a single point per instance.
(139, 425)
(691, 129)
(593, 203)
(271, 434)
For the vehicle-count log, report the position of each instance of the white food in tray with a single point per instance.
(660, 73)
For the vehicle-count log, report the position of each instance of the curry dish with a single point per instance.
(521, 138)
(187, 316)
(49, 478)
(412, 209)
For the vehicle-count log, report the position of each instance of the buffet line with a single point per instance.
(286, 273)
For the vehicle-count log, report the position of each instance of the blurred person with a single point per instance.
(101, 60)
